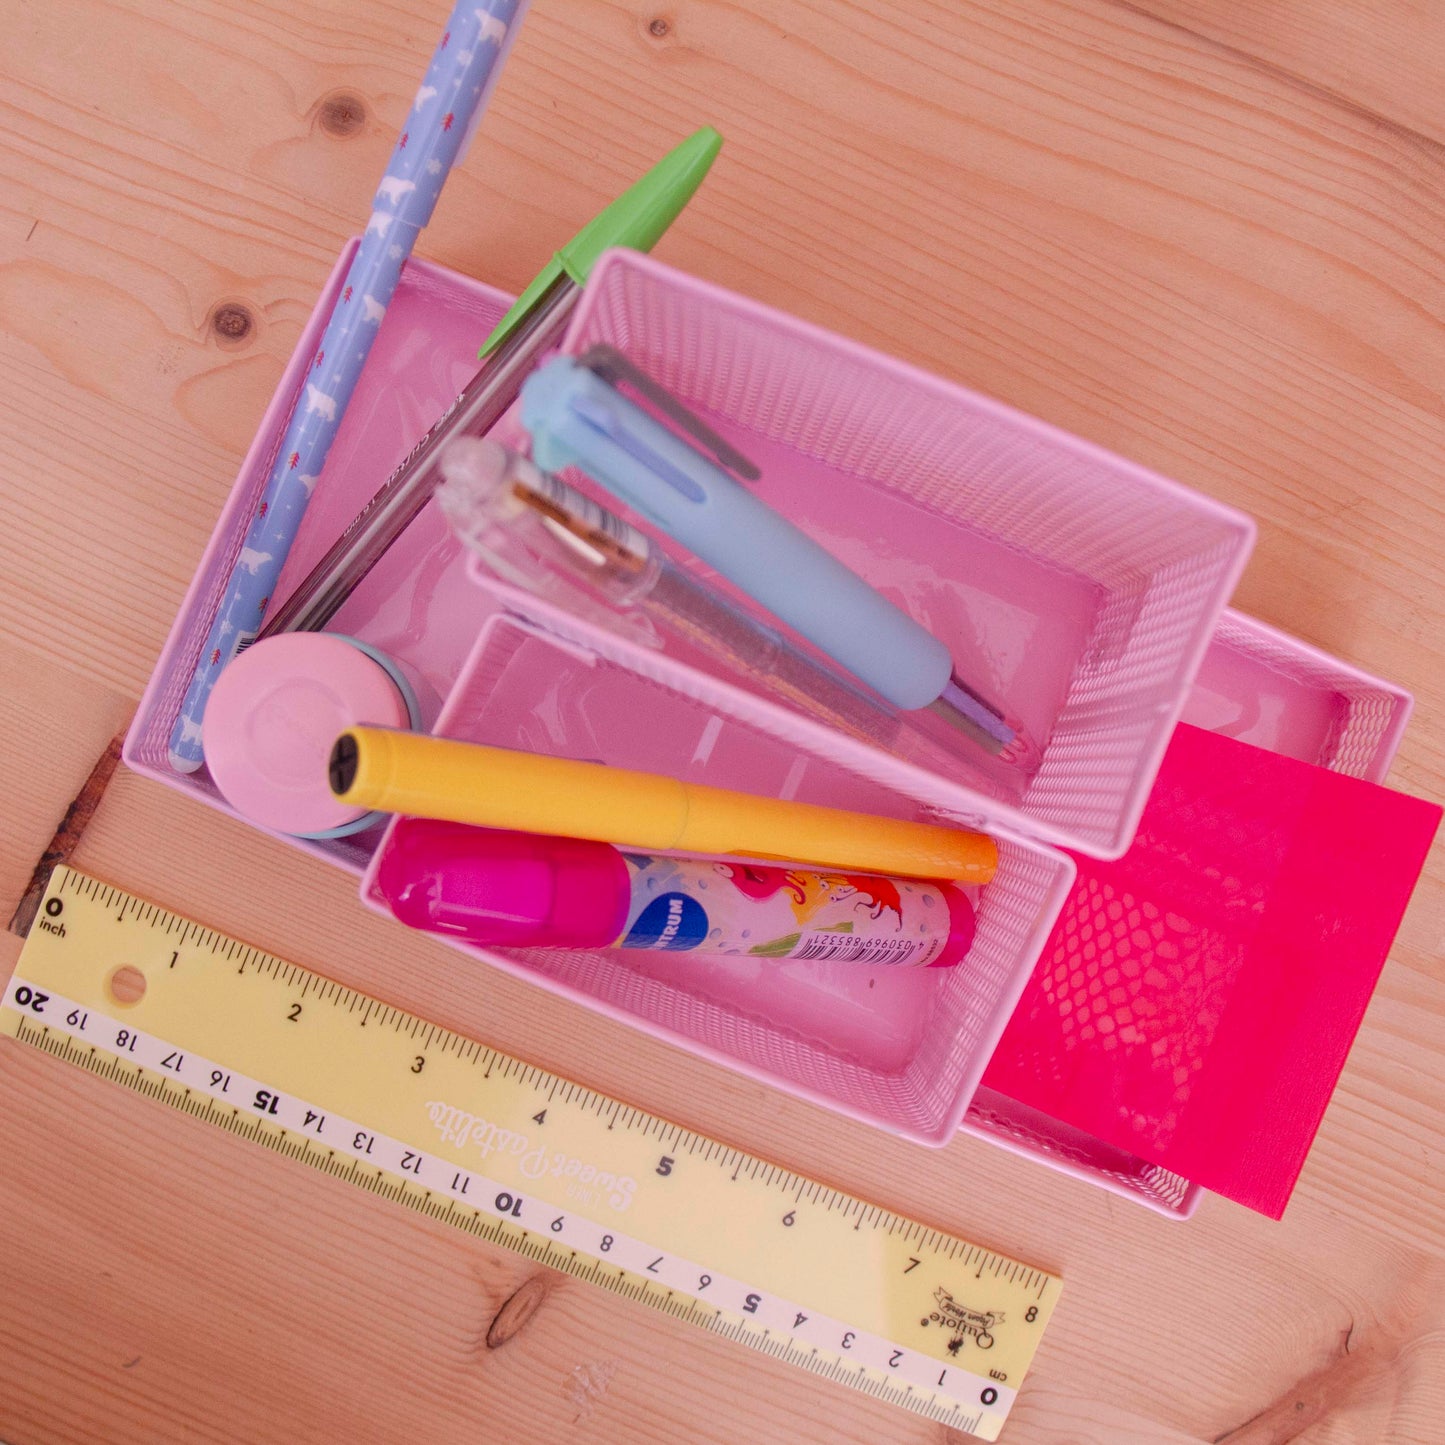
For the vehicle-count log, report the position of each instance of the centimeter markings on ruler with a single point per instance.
(527, 1159)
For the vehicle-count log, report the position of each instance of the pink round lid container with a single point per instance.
(273, 716)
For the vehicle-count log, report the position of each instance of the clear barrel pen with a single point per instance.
(481, 404)
(637, 218)
(528, 527)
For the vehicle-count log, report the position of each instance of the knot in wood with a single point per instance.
(342, 114)
(232, 322)
(516, 1310)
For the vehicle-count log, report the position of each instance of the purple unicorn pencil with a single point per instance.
(447, 108)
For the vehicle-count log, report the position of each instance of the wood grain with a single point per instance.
(1387, 59)
(1206, 236)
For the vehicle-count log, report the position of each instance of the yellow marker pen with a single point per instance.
(427, 777)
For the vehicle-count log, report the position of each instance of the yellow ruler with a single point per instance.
(525, 1159)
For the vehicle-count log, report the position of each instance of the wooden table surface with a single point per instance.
(1204, 233)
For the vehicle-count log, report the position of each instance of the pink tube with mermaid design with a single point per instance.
(521, 890)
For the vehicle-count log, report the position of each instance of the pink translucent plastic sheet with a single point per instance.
(1196, 999)
(1264, 687)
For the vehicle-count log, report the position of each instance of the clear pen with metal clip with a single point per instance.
(527, 525)
(365, 541)
(536, 322)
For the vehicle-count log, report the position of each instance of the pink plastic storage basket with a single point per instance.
(1076, 588)
(902, 1048)
(1059, 640)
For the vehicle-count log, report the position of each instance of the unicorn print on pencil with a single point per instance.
(492, 28)
(444, 105)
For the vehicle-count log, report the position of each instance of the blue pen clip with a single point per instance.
(609, 422)
(615, 369)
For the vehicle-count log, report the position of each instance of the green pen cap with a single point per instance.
(637, 218)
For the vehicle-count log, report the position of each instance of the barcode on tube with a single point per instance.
(844, 949)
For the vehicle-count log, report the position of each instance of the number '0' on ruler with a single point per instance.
(526, 1159)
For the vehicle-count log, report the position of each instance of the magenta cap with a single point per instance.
(501, 889)
(276, 711)
(963, 923)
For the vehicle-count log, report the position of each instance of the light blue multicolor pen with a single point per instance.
(577, 417)
(447, 108)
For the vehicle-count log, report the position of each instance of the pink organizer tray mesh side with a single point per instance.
(1077, 588)
(1197, 998)
(1263, 687)
(902, 1048)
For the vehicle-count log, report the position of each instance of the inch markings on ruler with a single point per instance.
(525, 1158)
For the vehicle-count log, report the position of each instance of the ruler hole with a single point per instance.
(127, 985)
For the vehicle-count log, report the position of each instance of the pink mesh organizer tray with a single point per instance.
(1077, 589)
(1080, 590)
(902, 1048)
